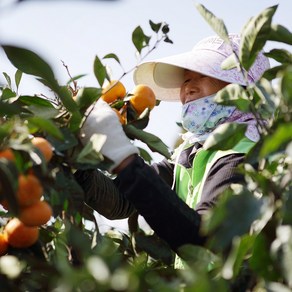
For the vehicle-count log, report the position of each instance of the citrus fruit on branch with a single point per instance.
(128, 107)
(29, 190)
(7, 154)
(113, 91)
(142, 98)
(3, 244)
(44, 146)
(19, 235)
(37, 214)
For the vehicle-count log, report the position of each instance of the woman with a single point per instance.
(172, 195)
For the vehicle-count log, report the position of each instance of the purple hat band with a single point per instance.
(165, 75)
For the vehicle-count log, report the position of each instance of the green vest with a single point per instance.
(190, 182)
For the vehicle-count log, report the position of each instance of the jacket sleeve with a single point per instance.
(102, 195)
(165, 170)
(171, 219)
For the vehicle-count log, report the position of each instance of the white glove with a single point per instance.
(103, 120)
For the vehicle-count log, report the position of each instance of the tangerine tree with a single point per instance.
(44, 219)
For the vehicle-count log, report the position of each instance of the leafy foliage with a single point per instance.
(249, 231)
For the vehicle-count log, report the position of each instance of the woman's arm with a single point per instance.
(102, 195)
(171, 219)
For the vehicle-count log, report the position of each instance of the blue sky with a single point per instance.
(76, 31)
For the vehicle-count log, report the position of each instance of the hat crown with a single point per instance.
(218, 45)
(215, 43)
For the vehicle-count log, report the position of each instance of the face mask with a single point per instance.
(201, 116)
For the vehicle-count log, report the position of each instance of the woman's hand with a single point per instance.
(117, 147)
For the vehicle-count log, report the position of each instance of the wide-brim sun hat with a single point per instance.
(165, 75)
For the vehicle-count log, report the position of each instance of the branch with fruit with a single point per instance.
(40, 147)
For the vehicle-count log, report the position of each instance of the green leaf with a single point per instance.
(276, 140)
(225, 137)
(68, 142)
(234, 95)
(254, 35)
(217, 24)
(17, 77)
(280, 33)
(273, 73)
(152, 141)
(40, 107)
(8, 184)
(5, 129)
(264, 183)
(139, 39)
(145, 155)
(167, 40)
(286, 85)
(232, 216)
(197, 256)
(118, 104)
(47, 126)
(67, 190)
(267, 100)
(75, 236)
(86, 96)
(154, 246)
(112, 56)
(230, 62)
(43, 112)
(75, 78)
(280, 55)
(35, 100)
(287, 207)
(7, 109)
(241, 247)
(141, 122)
(8, 79)
(75, 121)
(99, 71)
(66, 98)
(261, 261)
(90, 154)
(155, 26)
(7, 93)
(30, 63)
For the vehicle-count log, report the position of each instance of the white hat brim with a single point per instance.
(165, 75)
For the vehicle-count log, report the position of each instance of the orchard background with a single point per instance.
(254, 253)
